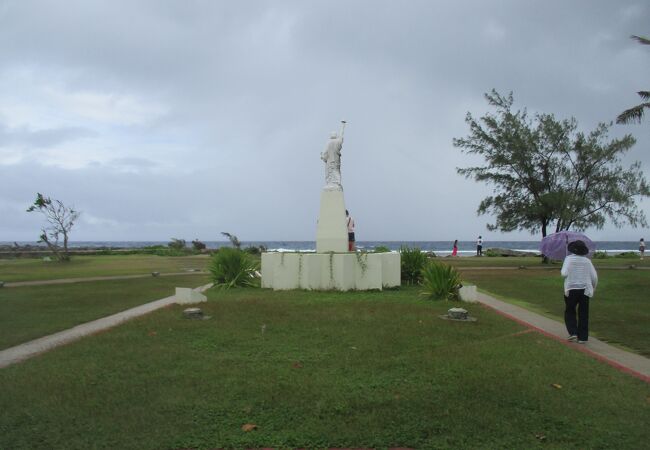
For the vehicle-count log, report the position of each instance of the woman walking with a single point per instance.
(454, 252)
(580, 280)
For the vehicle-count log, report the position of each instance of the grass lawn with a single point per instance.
(619, 312)
(29, 269)
(320, 369)
(30, 312)
(535, 262)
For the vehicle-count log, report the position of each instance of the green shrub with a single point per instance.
(625, 255)
(231, 267)
(381, 249)
(412, 262)
(252, 250)
(491, 253)
(198, 245)
(440, 282)
(177, 244)
(600, 255)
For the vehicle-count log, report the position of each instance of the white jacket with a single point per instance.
(579, 273)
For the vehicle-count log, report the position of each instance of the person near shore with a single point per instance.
(479, 246)
(454, 252)
(641, 247)
(350, 225)
(580, 280)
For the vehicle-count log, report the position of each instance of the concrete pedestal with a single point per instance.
(336, 271)
(332, 233)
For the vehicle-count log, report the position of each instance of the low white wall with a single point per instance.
(338, 271)
(468, 294)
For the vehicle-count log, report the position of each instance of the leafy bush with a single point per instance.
(198, 245)
(252, 250)
(440, 282)
(177, 244)
(381, 249)
(491, 253)
(625, 255)
(600, 255)
(412, 261)
(231, 267)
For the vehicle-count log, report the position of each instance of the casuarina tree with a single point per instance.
(547, 175)
(60, 219)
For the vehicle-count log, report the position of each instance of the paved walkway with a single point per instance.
(82, 279)
(546, 268)
(24, 351)
(625, 361)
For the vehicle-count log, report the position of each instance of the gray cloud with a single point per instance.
(251, 91)
(24, 137)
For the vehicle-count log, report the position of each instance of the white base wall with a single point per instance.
(332, 231)
(330, 271)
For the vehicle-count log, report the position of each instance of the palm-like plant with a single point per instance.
(231, 267)
(412, 261)
(440, 282)
(635, 114)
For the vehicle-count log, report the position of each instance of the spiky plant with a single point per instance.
(440, 282)
(412, 262)
(231, 267)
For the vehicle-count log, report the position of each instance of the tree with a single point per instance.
(198, 245)
(635, 114)
(60, 219)
(546, 173)
(177, 244)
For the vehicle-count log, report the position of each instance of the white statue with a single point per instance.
(332, 158)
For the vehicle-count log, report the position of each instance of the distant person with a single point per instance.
(580, 280)
(350, 225)
(454, 252)
(479, 246)
(642, 247)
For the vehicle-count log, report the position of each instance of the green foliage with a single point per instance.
(198, 245)
(635, 114)
(440, 282)
(600, 255)
(491, 253)
(231, 267)
(381, 249)
(177, 244)
(412, 263)
(545, 173)
(233, 239)
(627, 255)
(255, 250)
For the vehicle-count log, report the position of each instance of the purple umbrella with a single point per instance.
(554, 246)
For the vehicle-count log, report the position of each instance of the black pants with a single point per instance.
(580, 326)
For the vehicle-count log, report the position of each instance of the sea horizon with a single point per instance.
(465, 248)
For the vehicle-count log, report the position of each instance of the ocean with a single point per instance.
(441, 248)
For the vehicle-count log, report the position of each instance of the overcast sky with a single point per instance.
(161, 119)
